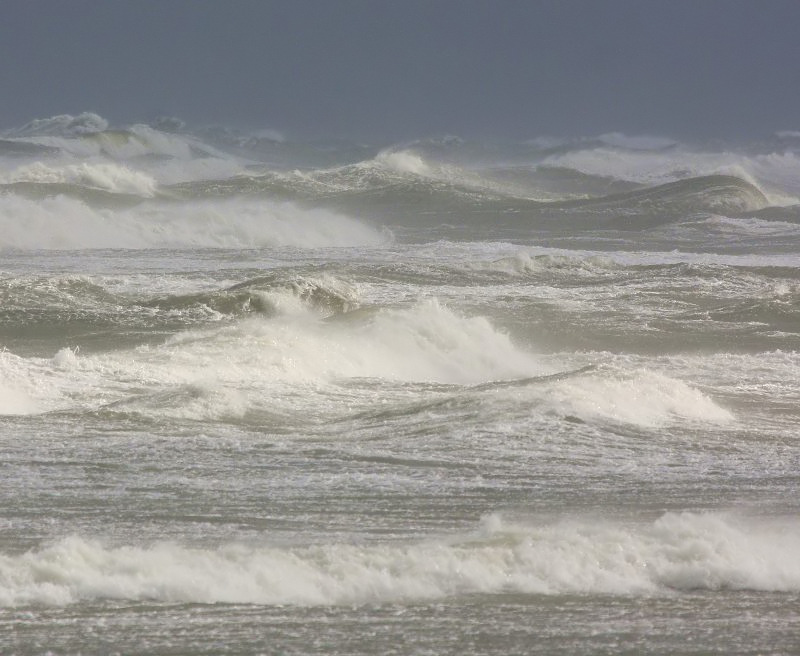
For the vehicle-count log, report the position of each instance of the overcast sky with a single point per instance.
(405, 68)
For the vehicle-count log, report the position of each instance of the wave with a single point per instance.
(638, 397)
(33, 305)
(404, 176)
(264, 358)
(267, 295)
(404, 196)
(88, 135)
(673, 201)
(291, 360)
(109, 177)
(775, 174)
(753, 226)
(622, 183)
(63, 125)
(642, 159)
(677, 552)
(14, 148)
(524, 264)
(67, 223)
(37, 307)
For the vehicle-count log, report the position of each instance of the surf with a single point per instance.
(675, 552)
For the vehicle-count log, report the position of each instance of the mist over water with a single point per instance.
(359, 393)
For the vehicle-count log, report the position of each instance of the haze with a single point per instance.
(395, 69)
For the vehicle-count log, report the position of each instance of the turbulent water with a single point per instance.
(264, 395)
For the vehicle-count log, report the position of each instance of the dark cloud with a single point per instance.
(410, 67)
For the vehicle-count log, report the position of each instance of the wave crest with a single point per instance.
(63, 125)
(108, 176)
(66, 223)
(686, 551)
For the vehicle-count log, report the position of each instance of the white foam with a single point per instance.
(107, 176)
(426, 342)
(24, 385)
(287, 363)
(66, 358)
(634, 396)
(405, 161)
(522, 263)
(432, 343)
(292, 363)
(408, 162)
(66, 223)
(677, 552)
(14, 401)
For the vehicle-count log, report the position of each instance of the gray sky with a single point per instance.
(405, 68)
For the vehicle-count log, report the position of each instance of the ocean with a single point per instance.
(265, 395)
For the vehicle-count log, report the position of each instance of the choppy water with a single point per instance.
(444, 397)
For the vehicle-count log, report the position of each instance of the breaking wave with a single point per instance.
(621, 181)
(675, 553)
(292, 345)
(63, 125)
(774, 174)
(290, 358)
(107, 176)
(88, 135)
(67, 223)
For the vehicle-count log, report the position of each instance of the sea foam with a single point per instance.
(272, 363)
(677, 552)
(66, 223)
(107, 176)
(290, 362)
(634, 396)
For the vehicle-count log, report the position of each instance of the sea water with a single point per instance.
(270, 396)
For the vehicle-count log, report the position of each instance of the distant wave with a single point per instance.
(63, 125)
(776, 174)
(612, 181)
(109, 176)
(66, 223)
(673, 200)
(88, 134)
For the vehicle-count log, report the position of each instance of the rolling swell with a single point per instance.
(422, 201)
(415, 199)
(684, 198)
(418, 185)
